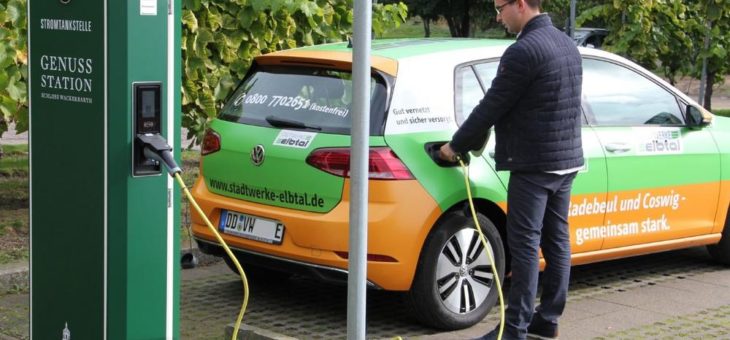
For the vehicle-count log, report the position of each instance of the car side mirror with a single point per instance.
(694, 117)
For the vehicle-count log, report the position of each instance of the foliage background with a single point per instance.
(221, 37)
(13, 65)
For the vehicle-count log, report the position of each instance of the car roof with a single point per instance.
(387, 53)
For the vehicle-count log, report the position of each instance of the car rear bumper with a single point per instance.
(323, 273)
(400, 215)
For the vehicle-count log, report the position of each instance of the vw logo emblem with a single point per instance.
(257, 155)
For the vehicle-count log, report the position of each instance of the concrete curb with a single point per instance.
(246, 332)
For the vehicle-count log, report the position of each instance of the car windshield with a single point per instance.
(302, 98)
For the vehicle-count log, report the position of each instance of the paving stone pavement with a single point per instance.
(672, 295)
(643, 297)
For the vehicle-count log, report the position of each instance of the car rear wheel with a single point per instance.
(454, 287)
(721, 251)
(256, 273)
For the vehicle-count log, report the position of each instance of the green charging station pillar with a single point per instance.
(104, 219)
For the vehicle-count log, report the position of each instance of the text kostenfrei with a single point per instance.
(294, 102)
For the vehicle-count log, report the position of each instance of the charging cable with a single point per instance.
(234, 335)
(486, 246)
(155, 147)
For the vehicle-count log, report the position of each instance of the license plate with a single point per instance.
(251, 227)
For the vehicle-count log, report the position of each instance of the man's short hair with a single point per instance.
(534, 3)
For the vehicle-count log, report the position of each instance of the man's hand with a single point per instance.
(447, 153)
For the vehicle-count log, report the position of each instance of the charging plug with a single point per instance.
(156, 147)
(432, 149)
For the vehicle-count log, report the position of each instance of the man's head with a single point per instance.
(514, 14)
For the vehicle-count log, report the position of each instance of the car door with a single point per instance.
(663, 177)
(588, 200)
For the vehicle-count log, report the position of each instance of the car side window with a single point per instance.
(487, 72)
(616, 95)
(467, 91)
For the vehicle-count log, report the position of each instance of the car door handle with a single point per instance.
(617, 147)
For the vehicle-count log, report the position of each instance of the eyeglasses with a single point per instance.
(499, 8)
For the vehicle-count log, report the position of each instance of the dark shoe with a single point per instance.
(541, 329)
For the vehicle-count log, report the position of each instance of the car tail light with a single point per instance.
(211, 143)
(382, 163)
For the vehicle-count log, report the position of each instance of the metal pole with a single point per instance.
(703, 75)
(357, 267)
(571, 25)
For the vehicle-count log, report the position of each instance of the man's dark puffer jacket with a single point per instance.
(534, 104)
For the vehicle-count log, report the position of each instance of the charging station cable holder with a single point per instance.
(156, 148)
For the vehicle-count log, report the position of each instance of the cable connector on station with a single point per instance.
(156, 147)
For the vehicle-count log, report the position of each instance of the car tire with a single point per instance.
(256, 273)
(721, 251)
(450, 290)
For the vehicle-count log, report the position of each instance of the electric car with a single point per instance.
(274, 171)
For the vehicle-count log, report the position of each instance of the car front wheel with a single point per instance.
(454, 287)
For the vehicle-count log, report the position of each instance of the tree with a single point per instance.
(462, 16)
(648, 32)
(711, 31)
(672, 36)
(425, 9)
(559, 11)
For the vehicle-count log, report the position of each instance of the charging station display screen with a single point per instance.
(148, 103)
(147, 107)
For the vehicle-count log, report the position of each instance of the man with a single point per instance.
(534, 105)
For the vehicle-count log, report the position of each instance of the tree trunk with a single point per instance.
(3, 129)
(426, 27)
(703, 76)
(466, 20)
(708, 90)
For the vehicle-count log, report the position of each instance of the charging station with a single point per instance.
(105, 219)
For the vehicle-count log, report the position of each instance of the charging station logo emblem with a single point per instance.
(66, 333)
(257, 155)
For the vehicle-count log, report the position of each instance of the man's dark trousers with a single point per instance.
(537, 217)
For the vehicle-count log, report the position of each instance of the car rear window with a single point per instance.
(302, 98)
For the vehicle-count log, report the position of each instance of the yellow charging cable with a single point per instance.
(234, 335)
(486, 246)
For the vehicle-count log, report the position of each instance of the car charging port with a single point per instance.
(432, 149)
